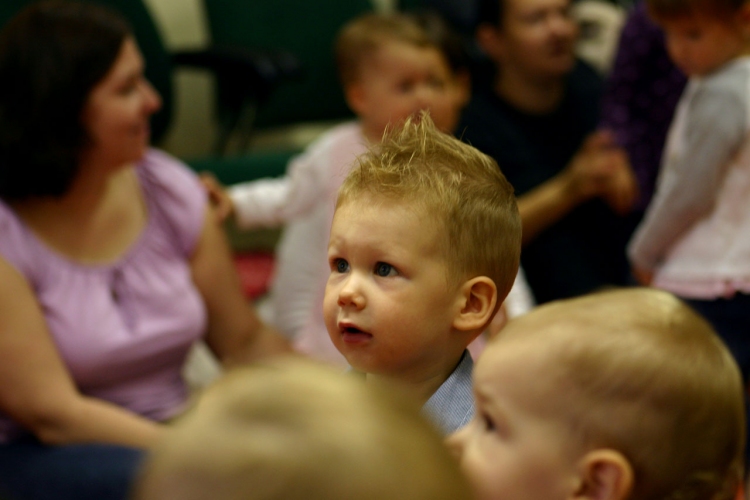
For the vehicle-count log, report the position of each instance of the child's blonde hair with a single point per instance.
(296, 430)
(670, 9)
(453, 184)
(364, 35)
(642, 373)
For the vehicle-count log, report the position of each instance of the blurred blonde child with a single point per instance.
(625, 394)
(424, 248)
(297, 430)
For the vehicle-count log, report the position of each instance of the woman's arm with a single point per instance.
(36, 389)
(235, 334)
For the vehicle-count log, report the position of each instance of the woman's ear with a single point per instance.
(477, 299)
(604, 475)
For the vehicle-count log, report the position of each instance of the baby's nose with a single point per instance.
(351, 293)
(455, 443)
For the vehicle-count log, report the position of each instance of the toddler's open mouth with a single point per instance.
(352, 335)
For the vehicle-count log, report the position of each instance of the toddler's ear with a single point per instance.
(604, 475)
(355, 98)
(477, 300)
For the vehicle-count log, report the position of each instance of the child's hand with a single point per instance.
(217, 196)
(621, 190)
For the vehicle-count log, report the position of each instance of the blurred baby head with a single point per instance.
(703, 35)
(293, 429)
(391, 69)
(620, 394)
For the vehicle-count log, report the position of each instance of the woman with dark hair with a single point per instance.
(111, 266)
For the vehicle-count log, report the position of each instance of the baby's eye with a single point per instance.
(405, 87)
(384, 269)
(437, 83)
(489, 424)
(340, 265)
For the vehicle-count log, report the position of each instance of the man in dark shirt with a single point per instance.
(536, 114)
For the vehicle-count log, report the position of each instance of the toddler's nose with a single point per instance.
(350, 294)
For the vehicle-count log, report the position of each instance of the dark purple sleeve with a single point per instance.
(640, 95)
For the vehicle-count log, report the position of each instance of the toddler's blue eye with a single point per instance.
(341, 266)
(383, 269)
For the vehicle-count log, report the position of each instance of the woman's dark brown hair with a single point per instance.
(52, 54)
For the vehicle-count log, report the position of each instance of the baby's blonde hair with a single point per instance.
(642, 373)
(296, 430)
(453, 184)
(364, 35)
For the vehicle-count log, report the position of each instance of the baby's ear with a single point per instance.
(355, 97)
(477, 299)
(604, 475)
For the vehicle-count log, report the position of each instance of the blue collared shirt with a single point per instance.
(452, 405)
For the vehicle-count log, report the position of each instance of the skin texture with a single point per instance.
(388, 306)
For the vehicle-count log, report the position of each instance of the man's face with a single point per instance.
(536, 38)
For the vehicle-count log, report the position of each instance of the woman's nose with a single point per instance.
(151, 98)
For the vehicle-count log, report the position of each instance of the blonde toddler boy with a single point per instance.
(625, 394)
(424, 248)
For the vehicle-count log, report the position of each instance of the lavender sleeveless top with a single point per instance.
(123, 329)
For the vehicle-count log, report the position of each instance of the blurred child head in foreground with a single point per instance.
(293, 429)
